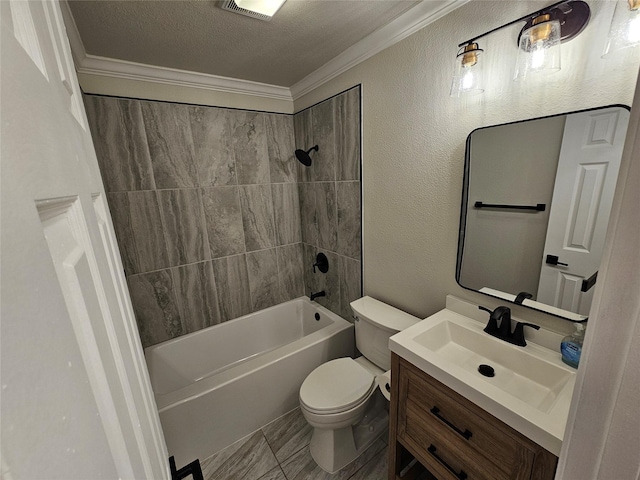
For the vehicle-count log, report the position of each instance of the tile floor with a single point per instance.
(280, 451)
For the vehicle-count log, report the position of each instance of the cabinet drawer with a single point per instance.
(481, 446)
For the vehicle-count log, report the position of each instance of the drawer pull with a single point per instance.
(466, 434)
(432, 451)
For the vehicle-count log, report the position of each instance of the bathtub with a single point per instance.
(214, 386)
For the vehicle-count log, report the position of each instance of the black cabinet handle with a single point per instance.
(553, 260)
(539, 207)
(432, 451)
(466, 434)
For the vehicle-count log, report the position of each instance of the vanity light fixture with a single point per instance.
(538, 42)
(467, 76)
(539, 47)
(625, 27)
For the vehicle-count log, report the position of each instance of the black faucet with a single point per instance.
(503, 332)
(313, 296)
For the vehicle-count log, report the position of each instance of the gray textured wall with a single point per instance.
(206, 209)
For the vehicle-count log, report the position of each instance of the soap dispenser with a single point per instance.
(571, 346)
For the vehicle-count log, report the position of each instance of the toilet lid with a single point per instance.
(336, 386)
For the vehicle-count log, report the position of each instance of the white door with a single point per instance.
(585, 182)
(76, 397)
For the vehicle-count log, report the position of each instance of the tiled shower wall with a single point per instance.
(205, 203)
(330, 198)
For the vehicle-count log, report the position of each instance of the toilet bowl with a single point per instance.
(341, 400)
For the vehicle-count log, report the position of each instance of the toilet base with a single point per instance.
(333, 450)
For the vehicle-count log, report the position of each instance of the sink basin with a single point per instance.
(531, 390)
(518, 372)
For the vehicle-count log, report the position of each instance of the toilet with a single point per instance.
(341, 399)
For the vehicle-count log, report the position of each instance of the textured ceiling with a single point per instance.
(199, 36)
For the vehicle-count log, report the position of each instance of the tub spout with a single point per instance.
(313, 296)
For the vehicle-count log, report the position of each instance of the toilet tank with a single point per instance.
(375, 322)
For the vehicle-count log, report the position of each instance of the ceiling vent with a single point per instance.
(232, 7)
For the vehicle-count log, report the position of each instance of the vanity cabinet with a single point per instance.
(437, 433)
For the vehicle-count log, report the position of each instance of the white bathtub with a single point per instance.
(215, 386)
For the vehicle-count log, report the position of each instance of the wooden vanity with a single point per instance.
(436, 433)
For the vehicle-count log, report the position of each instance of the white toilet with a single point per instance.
(340, 399)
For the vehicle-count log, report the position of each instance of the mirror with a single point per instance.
(536, 200)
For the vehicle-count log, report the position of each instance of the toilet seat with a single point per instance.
(336, 386)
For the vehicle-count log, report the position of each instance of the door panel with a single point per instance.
(76, 397)
(583, 193)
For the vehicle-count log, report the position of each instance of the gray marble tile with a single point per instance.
(281, 146)
(375, 469)
(119, 208)
(311, 280)
(249, 142)
(213, 146)
(247, 459)
(275, 474)
(197, 296)
(143, 221)
(257, 217)
(170, 144)
(232, 284)
(301, 466)
(290, 271)
(154, 304)
(326, 214)
(329, 282)
(347, 133)
(304, 141)
(286, 210)
(324, 161)
(223, 218)
(308, 213)
(349, 240)
(264, 284)
(350, 285)
(184, 225)
(288, 434)
(120, 142)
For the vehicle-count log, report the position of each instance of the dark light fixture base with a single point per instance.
(573, 16)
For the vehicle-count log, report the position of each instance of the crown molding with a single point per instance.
(405, 25)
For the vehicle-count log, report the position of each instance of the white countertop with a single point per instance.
(544, 426)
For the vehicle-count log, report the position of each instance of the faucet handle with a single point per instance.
(518, 333)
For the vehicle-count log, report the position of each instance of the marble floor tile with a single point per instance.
(374, 469)
(288, 434)
(301, 465)
(249, 458)
(275, 474)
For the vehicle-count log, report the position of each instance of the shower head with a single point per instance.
(304, 157)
